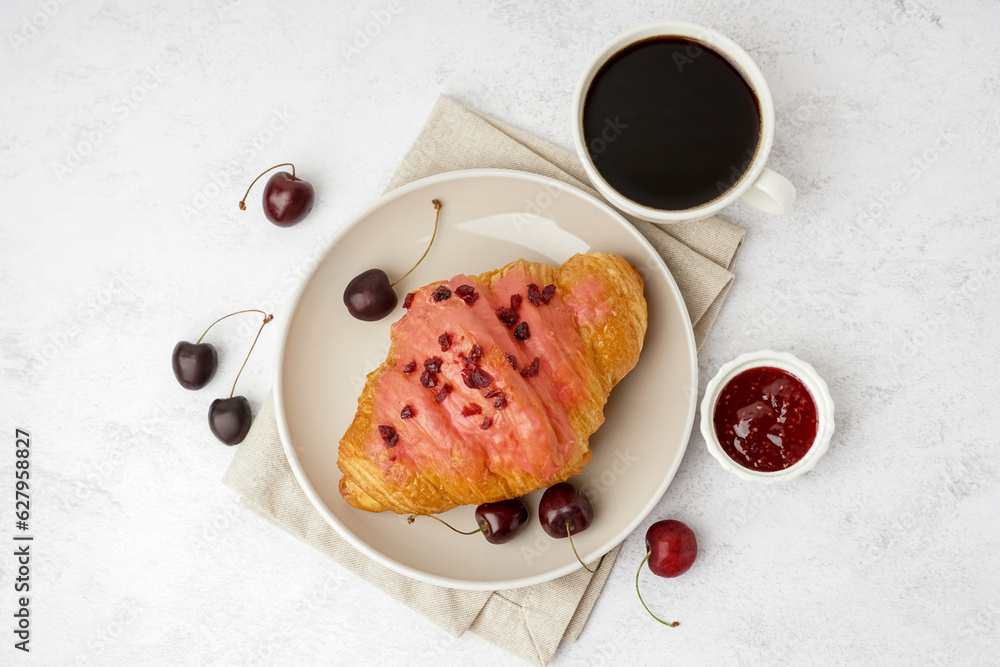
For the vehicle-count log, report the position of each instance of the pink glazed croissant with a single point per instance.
(493, 385)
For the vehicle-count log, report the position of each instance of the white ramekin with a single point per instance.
(812, 381)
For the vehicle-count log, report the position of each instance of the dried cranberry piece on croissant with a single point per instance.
(531, 371)
(389, 435)
(467, 294)
(534, 294)
(508, 316)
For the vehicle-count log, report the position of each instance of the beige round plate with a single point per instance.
(488, 218)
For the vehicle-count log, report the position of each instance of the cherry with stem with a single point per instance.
(195, 364)
(671, 549)
(437, 215)
(499, 522)
(287, 199)
(370, 295)
(267, 319)
(410, 519)
(580, 560)
(230, 418)
(669, 625)
(238, 312)
(564, 507)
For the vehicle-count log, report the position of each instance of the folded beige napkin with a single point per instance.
(528, 622)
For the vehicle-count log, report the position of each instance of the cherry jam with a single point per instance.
(765, 419)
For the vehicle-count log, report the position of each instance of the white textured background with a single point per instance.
(128, 131)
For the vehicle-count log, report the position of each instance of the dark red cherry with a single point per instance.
(498, 522)
(672, 548)
(287, 199)
(370, 296)
(230, 419)
(503, 520)
(562, 506)
(194, 363)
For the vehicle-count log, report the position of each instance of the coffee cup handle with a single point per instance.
(771, 192)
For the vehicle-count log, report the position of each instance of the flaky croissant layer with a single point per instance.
(493, 385)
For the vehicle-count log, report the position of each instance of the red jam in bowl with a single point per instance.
(765, 419)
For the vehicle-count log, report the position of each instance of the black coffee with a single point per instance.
(670, 123)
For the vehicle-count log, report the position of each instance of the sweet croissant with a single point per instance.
(493, 385)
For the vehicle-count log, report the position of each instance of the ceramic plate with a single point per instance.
(488, 218)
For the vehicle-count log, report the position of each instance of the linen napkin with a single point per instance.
(529, 622)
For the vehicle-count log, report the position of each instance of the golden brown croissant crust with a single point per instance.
(493, 385)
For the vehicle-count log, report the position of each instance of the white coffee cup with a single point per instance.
(759, 186)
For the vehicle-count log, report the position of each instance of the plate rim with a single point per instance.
(317, 502)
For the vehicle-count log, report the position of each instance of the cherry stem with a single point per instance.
(412, 517)
(648, 554)
(570, 536)
(243, 205)
(238, 312)
(437, 215)
(266, 320)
